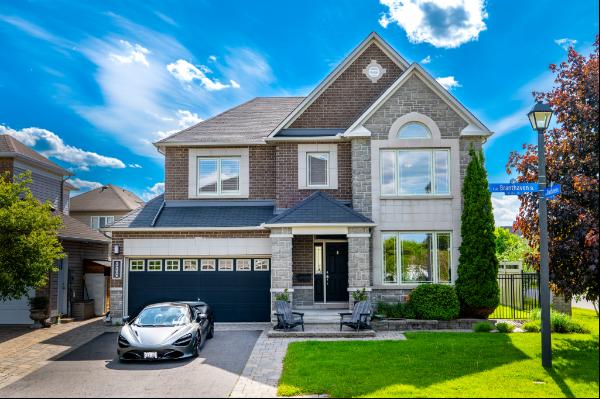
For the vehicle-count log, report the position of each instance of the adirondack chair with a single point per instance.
(286, 319)
(358, 318)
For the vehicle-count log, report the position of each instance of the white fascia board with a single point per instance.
(304, 139)
(277, 225)
(165, 229)
(359, 131)
(449, 99)
(211, 144)
(333, 75)
(472, 130)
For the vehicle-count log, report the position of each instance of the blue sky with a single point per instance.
(93, 84)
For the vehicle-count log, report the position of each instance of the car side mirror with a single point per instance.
(201, 317)
(126, 319)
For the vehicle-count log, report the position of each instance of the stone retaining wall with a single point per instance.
(413, 324)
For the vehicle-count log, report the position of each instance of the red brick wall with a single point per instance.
(288, 193)
(350, 95)
(176, 173)
(302, 258)
(6, 164)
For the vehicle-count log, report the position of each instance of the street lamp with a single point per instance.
(540, 116)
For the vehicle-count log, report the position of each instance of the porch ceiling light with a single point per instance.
(540, 116)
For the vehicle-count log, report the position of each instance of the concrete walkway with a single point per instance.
(263, 369)
(23, 350)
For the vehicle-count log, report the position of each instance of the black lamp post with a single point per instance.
(540, 116)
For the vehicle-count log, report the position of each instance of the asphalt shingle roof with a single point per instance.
(200, 215)
(10, 145)
(105, 198)
(248, 123)
(73, 229)
(320, 208)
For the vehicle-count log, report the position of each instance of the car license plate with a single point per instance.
(150, 355)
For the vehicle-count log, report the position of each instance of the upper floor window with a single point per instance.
(415, 172)
(318, 169)
(98, 222)
(414, 130)
(219, 175)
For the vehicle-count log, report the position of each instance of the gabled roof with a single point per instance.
(475, 127)
(159, 215)
(74, 230)
(105, 198)
(373, 38)
(11, 147)
(319, 208)
(248, 123)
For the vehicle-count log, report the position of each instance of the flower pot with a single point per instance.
(39, 316)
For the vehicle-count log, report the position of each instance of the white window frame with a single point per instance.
(265, 268)
(308, 173)
(168, 268)
(432, 174)
(212, 263)
(219, 191)
(223, 268)
(246, 268)
(434, 257)
(332, 165)
(97, 220)
(190, 262)
(136, 268)
(194, 154)
(430, 135)
(160, 263)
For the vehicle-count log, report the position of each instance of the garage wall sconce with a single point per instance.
(116, 249)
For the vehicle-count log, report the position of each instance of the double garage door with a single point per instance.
(238, 290)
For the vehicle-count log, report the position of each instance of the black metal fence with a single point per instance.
(519, 295)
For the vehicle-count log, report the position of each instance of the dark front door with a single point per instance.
(336, 271)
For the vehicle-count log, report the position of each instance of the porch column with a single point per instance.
(359, 261)
(281, 262)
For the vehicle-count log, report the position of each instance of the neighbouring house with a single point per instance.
(357, 185)
(102, 206)
(66, 288)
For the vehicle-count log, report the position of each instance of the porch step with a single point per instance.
(65, 320)
(330, 333)
(325, 306)
(322, 316)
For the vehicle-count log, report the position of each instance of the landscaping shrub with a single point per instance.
(482, 326)
(532, 326)
(401, 310)
(560, 322)
(504, 327)
(435, 302)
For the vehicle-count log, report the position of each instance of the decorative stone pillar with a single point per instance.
(281, 263)
(361, 176)
(560, 304)
(116, 285)
(359, 261)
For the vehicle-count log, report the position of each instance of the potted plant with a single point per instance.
(39, 311)
(283, 296)
(360, 295)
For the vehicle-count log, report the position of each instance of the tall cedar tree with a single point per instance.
(572, 161)
(29, 246)
(477, 284)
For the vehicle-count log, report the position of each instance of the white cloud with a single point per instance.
(234, 84)
(153, 191)
(449, 82)
(134, 54)
(134, 165)
(50, 144)
(84, 185)
(426, 60)
(565, 43)
(506, 208)
(446, 24)
(212, 58)
(184, 120)
(188, 73)
(36, 31)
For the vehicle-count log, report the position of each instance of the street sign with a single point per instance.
(550, 192)
(514, 188)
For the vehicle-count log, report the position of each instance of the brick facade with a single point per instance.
(176, 173)
(350, 94)
(262, 172)
(288, 194)
(302, 260)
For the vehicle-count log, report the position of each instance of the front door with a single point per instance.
(336, 271)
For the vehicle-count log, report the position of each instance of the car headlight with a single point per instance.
(183, 341)
(123, 343)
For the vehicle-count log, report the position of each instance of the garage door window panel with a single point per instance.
(243, 265)
(208, 265)
(172, 265)
(261, 265)
(190, 265)
(136, 265)
(155, 265)
(225, 265)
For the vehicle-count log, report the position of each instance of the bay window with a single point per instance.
(416, 257)
(415, 172)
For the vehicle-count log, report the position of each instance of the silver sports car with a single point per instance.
(171, 330)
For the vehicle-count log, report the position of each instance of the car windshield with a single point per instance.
(163, 316)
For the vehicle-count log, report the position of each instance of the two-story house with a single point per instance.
(80, 243)
(357, 185)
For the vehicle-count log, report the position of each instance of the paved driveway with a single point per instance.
(93, 371)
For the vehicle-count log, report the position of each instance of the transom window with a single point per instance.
(190, 265)
(317, 164)
(414, 130)
(225, 265)
(420, 257)
(99, 222)
(261, 265)
(415, 172)
(154, 265)
(136, 265)
(172, 265)
(243, 265)
(207, 265)
(219, 175)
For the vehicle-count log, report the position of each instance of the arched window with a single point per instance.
(414, 130)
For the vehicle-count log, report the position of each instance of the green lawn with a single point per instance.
(446, 365)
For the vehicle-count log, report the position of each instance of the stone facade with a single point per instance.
(281, 262)
(361, 176)
(359, 259)
(288, 194)
(350, 94)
